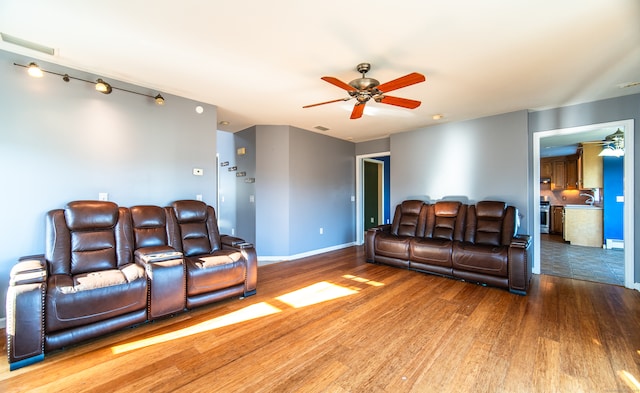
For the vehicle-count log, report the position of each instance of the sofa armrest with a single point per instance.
(234, 242)
(25, 311)
(369, 241)
(520, 269)
(249, 253)
(165, 271)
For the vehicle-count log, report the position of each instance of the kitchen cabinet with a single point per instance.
(571, 172)
(591, 166)
(546, 168)
(563, 172)
(557, 218)
(583, 225)
(559, 172)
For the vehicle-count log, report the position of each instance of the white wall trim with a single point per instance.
(268, 260)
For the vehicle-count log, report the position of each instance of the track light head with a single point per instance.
(159, 99)
(34, 70)
(103, 87)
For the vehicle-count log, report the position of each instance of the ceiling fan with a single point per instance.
(363, 89)
(613, 145)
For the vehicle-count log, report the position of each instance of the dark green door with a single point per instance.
(371, 194)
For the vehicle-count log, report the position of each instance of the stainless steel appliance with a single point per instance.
(544, 216)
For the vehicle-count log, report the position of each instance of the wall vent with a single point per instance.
(27, 44)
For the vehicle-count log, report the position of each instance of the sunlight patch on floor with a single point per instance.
(630, 380)
(314, 294)
(253, 311)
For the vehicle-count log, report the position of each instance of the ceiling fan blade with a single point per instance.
(327, 102)
(358, 109)
(403, 102)
(403, 81)
(337, 82)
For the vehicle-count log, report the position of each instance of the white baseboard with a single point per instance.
(3, 323)
(268, 260)
(615, 243)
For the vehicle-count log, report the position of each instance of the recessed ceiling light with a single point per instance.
(437, 117)
(224, 123)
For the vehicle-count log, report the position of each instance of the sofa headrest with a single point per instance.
(490, 209)
(411, 207)
(447, 208)
(190, 211)
(147, 216)
(86, 215)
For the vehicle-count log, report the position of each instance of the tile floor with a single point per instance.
(581, 263)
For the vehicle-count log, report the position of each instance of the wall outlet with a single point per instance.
(321, 230)
(372, 220)
(198, 171)
(199, 197)
(103, 196)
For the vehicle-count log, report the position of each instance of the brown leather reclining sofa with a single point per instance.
(107, 267)
(476, 243)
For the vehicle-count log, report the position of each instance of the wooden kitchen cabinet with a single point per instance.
(557, 219)
(583, 225)
(571, 173)
(546, 168)
(591, 166)
(563, 172)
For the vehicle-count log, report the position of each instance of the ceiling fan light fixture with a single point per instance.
(103, 87)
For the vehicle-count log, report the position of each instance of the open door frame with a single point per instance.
(629, 267)
(359, 192)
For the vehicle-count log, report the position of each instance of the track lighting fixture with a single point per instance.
(103, 87)
(34, 70)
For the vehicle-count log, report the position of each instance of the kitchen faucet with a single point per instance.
(589, 200)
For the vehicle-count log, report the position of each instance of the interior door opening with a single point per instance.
(586, 133)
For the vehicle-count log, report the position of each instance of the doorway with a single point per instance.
(586, 133)
(373, 195)
(377, 199)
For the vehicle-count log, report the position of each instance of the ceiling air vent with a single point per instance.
(321, 128)
(27, 44)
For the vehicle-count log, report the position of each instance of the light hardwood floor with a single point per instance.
(334, 323)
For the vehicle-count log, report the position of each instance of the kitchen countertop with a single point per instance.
(583, 207)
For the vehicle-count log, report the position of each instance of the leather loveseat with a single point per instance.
(476, 243)
(107, 267)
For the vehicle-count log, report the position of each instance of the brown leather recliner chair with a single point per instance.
(217, 267)
(163, 264)
(389, 244)
(87, 280)
(444, 225)
(489, 253)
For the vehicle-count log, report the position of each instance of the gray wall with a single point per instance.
(64, 141)
(373, 146)
(246, 192)
(304, 182)
(604, 111)
(226, 211)
(480, 159)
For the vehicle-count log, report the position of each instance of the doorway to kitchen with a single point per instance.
(551, 252)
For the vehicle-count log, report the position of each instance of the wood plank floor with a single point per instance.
(334, 323)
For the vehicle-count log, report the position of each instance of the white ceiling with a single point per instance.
(261, 61)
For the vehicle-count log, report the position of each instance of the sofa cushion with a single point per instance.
(430, 251)
(479, 258)
(392, 246)
(89, 298)
(207, 273)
